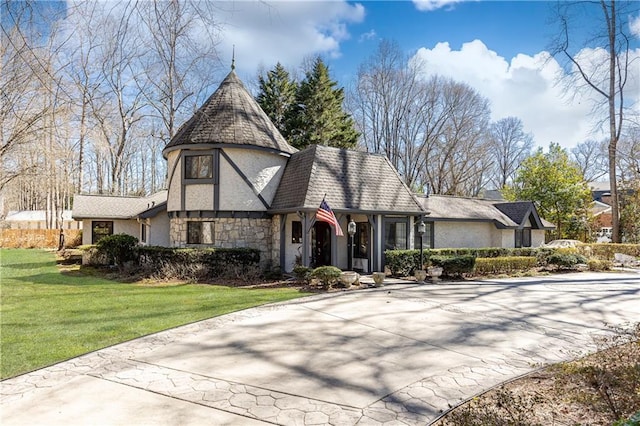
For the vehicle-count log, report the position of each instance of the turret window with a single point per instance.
(198, 167)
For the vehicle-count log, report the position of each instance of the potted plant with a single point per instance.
(348, 278)
(435, 272)
(420, 275)
(378, 278)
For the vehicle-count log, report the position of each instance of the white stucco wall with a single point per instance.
(198, 197)
(537, 237)
(291, 250)
(262, 169)
(173, 183)
(158, 232)
(130, 227)
(464, 234)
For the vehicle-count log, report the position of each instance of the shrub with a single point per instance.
(119, 248)
(599, 265)
(566, 260)
(605, 251)
(402, 263)
(327, 275)
(454, 265)
(301, 273)
(199, 264)
(497, 265)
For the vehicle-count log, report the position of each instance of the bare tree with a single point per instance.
(457, 152)
(181, 41)
(22, 111)
(120, 106)
(509, 145)
(591, 157)
(606, 78)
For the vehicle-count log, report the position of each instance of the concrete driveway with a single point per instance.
(401, 354)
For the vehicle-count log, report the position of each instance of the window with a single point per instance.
(101, 229)
(523, 238)
(144, 232)
(361, 240)
(296, 232)
(395, 232)
(426, 237)
(198, 167)
(200, 232)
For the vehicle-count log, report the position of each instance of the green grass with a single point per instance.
(47, 316)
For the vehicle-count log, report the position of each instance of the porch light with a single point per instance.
(351, 230)
(422, 228)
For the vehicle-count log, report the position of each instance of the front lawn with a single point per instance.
(47, 316)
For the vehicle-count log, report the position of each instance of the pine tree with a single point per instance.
(277, 95)
(317, 116)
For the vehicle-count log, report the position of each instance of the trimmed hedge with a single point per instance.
(216, 262)
(402, 263)
(454, 265)
(605, 251)
(504, 265)
(118, 248)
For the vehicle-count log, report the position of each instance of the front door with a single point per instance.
(321, 244)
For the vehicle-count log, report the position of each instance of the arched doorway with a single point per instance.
(321, 240)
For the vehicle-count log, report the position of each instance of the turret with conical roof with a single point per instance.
(231, 116)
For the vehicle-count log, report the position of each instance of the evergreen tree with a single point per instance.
(317, 116)
(277, 95)
(555, 184)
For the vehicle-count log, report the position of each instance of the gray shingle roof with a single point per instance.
(351, 180)
(114, 207)
(443, 207)
(503, 214)
(230, 116)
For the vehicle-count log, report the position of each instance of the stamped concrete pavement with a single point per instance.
(401, 354)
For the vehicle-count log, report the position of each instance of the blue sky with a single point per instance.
(499, 48)
(508, 28)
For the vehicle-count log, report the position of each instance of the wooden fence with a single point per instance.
(39, 238)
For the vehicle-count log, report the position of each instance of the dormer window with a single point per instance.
(198, 167)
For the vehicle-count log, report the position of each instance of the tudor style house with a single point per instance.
(234, 181)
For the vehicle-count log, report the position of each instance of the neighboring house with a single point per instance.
(144, 218)
(38, 219)
(234, 181)
(472, 222)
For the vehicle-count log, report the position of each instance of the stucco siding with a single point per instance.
(262, 169)
(159, 230)
(174, 181)
(537, 237)
(198, 197)
(463, 234)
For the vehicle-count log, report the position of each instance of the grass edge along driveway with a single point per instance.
(47, 316)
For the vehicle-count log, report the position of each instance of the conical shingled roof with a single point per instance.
(230, 116)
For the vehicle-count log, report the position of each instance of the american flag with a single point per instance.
(325, 214)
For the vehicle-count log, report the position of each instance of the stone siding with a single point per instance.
(231, 233)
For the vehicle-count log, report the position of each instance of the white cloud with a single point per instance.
(634, 26)
(429, 5)
(524, 86)
(369, 35)
(284, 31)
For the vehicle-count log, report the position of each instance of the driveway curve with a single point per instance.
(401, 354)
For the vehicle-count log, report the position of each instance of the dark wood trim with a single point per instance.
(214, 214)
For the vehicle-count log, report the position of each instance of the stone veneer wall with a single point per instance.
(232, 233)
